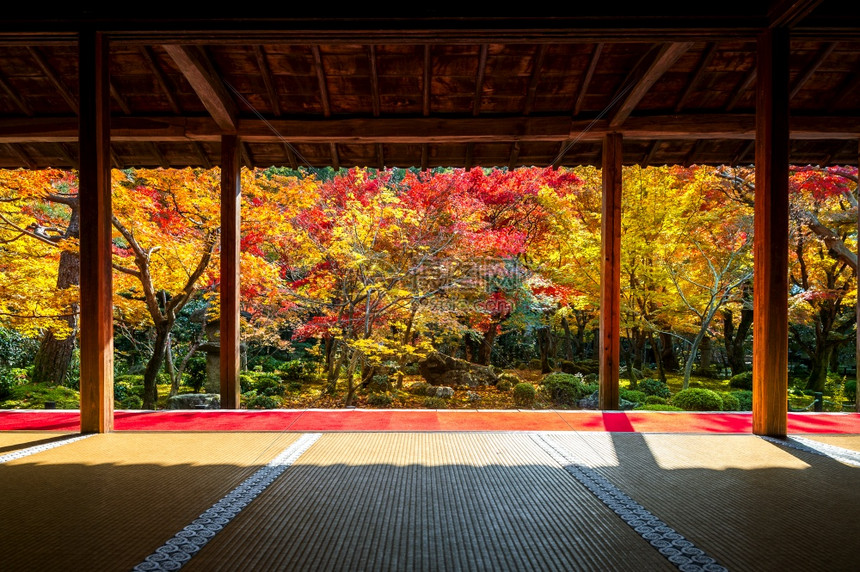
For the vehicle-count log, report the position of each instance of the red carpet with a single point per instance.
(428, 420)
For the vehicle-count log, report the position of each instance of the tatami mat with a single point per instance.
(850, 442)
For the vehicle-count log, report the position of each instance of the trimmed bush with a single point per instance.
(651, 386)
(379, 400)
(730, 402)
(267, 384)
(658, 407)
(379, 383)
(524, 394)
(294, 386)
(435, 403)
(850, 391)
(131, 402)
(296, 370)
(698, 399)
(507, 381)
(744, 398)
(418, 388)
(655, 400)
(741, 381)
(563, 388)
(263, 402)
(123, 389)
(534, 364)
(633, 395)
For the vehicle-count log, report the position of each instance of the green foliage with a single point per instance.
(745, 399)
(651, 386)
(379, 383)
(534, 364)
(434, 403)
(294, 386)
(524, 394)
(633, 395)
(266, 363)
(196, 370)
(419, 388)
(742, 380)
(10, 379)
(297, 370)
(34, 396)
(507, 381)
(16, 350)
(850, 390)
(698, 399)
(124, 388)
(263, 402)
(563, 388)
(266, 384)
(655, 400)
(730, 402)
(583, 367)
(658, 407)
(591, 387)
(379, 400)
(131, 402)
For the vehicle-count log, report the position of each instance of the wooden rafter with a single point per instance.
(201, 152)
(848, 86)
(743, 152)
(704, 61)
(206, 82)
(789, 13)
(479, 79)
(531, 92)
(515, 155)
(266, 75)
(665, 58)
(470, 151)
(245, 154)
(15, 97)
(425, 155)
(649, 155)
(318, 66)
(335, 158)
(54, 78)
(159, 156)
(380, 157)
(374, 81)
(586, 80)
(694, 152)
(67, 154)
(810, 69)
(123, 105)
(21, 154)
(428, 70)
(291, 157)
(739, 90)
(160, 78)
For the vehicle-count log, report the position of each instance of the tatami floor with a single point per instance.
(427, 501)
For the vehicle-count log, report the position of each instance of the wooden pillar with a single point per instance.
(96, 323)
(770, 285)
(610, 272)
(230, 216)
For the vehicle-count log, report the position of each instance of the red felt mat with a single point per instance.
(429, 420)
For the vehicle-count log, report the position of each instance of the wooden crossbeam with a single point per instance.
(470, 150)
(810, 69)
(380, 158)
(531, 91)
(848, 86)
(374, 81)
(66, 153)
(320, 71)
(335, 158)
(665, 58)
(160, 79)
(515, 155)
(159, 156)
(738, 93)
(425, 155)
(201, 152)
(266, 75)
(479, 79)
(789, 13)
(21, 154)
(744, 151)
(15, 97)
(291, 157)
(54, 78)
(206, 82)
(694, 152)
(649, 155)
(426, 85)
(119, 99)
(706, 58)
(586, 79)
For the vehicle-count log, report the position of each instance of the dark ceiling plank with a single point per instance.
(119, 99)
(666, 57)
(159, 156)
(54, 78)
(652, 151)
(531, 92)
(428, 70)
(195, 65)
(21, 155)
(744, 85)
(810, 69)
(470, 156)
(848, 86)
(160, 78)
(201, 152)
(335, 158)
(690, 159)
(266, 74)
(789, 13)
(374, 81)
(515, 155)
(562, 151)
(291, 157)
(13, 95)
(245, 154)
(425, 154)
(479, 79)
(67, 154)
(318, 66)
(744, 151)
(706, 58)
(586, 80)
(380, 157)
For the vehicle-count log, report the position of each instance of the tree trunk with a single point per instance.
(658, 358)
(171, 369)
(544, 338)
(334, 372)
(670, 360)
(486, 347)
(818, 372)
(55, 354)
(735, 340)
(568, 340)
(350, 377)
(705, 353)
(150, 375)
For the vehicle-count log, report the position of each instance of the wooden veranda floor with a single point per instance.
(427, 501)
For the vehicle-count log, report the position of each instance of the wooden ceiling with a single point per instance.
(432, 90)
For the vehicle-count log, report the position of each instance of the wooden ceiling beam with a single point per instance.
(694, 152)
(531, 91)
(428, 70)
(428, 130)
(54, 78)
(291, 157)
(15, 97)
(586, 80)
(335, 158)
(206, 82)
(789, 13)
(159, 156)
(380, 158)
(425, 156)
(745, 84)
(665, 58)
(21, 155)
(479, 79)
(161, 79)
(246, 158)
(810, 69)
(470, 156)
(515, 155)
(706, 58)
(649, 155)
(266, 75)
(746, 149)
(374, 81)
(201, 153)
(848, 86)
(67, 154)
(321, 81)
(119, 99)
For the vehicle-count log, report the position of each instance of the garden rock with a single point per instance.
(443, 392)
(472, 396)
(195, 401)
(592, 402)
(438, 369)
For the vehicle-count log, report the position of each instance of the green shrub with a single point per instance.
(730, 402)
(435, 403)
(263, 402)
(296, 370)
(698, 399)
(524, 394)
(246, 381)
(744, 398)
(741, 381)
(563, 388)
(131, 402)
(651, 386)
(584, 368)
(534, 364)
(122, 389)
(655, 400)
(850, 391)
(658, 407)
(10, 379)
(590, 388)
(379, 383)
(379, 400)
(294, 386)
(418, 388)
(196, 370)
(633, 395)
(507, 381)
(267, 384)
(637, 375)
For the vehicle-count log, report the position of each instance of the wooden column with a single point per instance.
(96, 323)
(610, 272)
(230, 216)
(770, 285)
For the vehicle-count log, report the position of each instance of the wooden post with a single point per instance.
(230, 216)
(96, 282)
(610, 273)
(770, 285)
